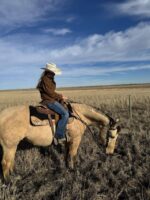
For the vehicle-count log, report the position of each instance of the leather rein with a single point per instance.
(88, 127)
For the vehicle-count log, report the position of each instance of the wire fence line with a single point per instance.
(127, 100)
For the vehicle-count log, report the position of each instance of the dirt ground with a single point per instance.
(41, 173)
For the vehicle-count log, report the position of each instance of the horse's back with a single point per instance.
(12, 112)
(14, 123)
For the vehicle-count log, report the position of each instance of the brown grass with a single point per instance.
(93, 96)
(40, 173)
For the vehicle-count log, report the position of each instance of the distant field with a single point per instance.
(96, 95)
(41, 174)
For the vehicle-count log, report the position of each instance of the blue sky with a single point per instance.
(94, 42)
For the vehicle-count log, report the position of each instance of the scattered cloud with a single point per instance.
(131, 44)
(25, 12)
(123, 45)
(19, 57)
(99, 70)
(26, 45)
(139, 8)
(55, 31)
(71, 19)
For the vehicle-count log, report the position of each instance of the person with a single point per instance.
(51, 98)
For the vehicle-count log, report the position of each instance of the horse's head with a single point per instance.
(112, 135)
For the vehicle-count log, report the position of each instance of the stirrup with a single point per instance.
(61, 141)
(55, 141)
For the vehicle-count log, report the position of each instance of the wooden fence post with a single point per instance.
(130, 107)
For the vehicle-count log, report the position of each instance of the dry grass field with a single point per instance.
(41, 173)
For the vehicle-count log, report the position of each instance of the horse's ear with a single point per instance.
(118, 129)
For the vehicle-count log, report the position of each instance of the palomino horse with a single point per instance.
(15, 125)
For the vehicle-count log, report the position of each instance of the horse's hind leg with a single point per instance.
(8, 160)
(73, 148)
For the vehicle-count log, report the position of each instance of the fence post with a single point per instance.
(130, 107)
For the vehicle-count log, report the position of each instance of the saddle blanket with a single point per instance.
(39, 119)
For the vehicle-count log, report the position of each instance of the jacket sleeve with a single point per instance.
(49, 87)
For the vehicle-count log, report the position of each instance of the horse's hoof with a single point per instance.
(71, 165)
(71, 169)
(6, 180)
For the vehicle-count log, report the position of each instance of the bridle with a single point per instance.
(111, 128)
(109, 135)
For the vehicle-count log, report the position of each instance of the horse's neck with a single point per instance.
(91, 116)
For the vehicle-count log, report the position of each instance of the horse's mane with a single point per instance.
(84, 105)
(96, 109)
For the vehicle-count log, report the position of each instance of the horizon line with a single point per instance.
(83, 87)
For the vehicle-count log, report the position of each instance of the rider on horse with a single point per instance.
(52, 99)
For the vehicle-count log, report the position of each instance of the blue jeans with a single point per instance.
(64, 115)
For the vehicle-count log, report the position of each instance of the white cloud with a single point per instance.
(139, 8)
(55, 31)
(99, 70)
(19, 53)
(132, 44)
(25, 12)
(71, 19)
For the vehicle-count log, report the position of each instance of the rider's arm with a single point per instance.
(49, 87)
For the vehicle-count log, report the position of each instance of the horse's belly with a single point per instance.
(40, 135)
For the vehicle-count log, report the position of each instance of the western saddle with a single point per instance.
(43, 109)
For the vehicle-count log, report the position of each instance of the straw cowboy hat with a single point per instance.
(53, 68)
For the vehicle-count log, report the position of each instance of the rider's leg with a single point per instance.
(61, 126)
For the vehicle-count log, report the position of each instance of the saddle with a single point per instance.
(41, 115)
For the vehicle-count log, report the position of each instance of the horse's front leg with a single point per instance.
(73, 148)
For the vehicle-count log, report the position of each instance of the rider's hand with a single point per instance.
(64, 98)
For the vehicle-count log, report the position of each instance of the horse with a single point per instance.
(15, 125)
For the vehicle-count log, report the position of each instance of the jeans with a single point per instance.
(61, 126)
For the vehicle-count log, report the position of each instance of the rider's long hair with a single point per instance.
(40, 80)
(45, 73)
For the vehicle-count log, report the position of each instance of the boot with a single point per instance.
(61, 141)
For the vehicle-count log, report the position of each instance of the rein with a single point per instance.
(79, 118)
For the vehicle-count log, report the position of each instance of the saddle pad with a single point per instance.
(39, 119)
(38, 122)
(36, 118)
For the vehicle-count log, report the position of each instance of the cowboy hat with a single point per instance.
(53, 68)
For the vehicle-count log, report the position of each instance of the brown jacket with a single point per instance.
(47, 90)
